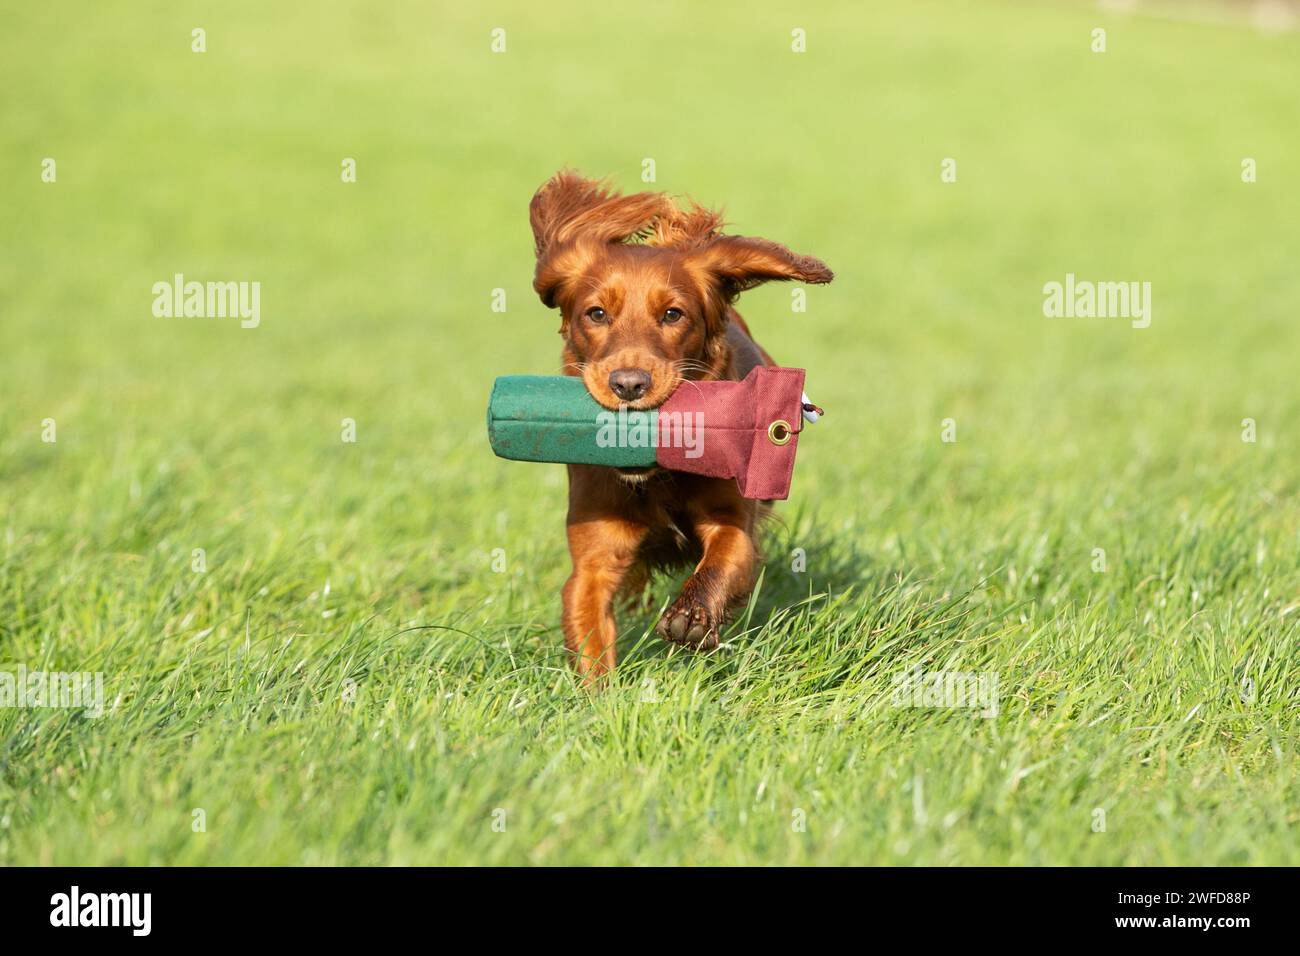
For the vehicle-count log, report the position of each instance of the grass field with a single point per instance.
(347, 679)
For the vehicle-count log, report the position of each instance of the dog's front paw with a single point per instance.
(691, 624)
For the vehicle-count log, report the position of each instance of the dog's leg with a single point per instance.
(724, 575)
(603, 549)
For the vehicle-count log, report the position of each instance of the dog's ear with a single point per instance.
(573, 216)
(737, 263)
(570, 207)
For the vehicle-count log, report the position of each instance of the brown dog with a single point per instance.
(644, 290)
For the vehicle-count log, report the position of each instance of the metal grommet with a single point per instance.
(778, 433)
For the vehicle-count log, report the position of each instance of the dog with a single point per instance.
(645, 290)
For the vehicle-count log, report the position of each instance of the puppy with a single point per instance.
(645, 292)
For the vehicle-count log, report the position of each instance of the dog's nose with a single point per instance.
(629, 384)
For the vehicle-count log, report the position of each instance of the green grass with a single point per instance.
(330, 563)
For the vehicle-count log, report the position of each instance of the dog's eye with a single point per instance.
(671, 316)
(597, 315)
